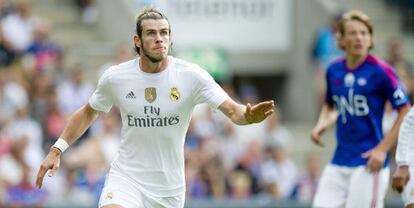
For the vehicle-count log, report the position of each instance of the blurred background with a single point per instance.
(52, 53)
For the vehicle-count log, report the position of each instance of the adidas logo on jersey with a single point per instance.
(130, 95)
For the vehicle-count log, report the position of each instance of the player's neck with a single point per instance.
(353, 61)
(148, 66)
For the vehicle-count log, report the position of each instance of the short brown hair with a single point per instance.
(358, 16)
(148, 13)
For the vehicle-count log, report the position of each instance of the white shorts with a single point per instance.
(408, 193)
(122, 191)
(351, 187)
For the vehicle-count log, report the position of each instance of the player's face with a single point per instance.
(155, 39)
(356, 39)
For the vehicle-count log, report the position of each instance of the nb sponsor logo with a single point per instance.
(354, 105)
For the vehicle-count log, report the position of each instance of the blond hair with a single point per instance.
(356, 15)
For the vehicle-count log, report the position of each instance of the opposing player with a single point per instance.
(403, 178)
(156, 94)
(358, 87)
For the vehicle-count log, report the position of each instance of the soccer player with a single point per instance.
(358, 87)
(402, 179)
(156, 94)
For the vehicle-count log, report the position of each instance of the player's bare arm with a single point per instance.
(77, 125)
(377, 155)
(400, 178)
(247, 114)
(327, 118)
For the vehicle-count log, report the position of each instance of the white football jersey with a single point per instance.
(155, 109)
(405, 154)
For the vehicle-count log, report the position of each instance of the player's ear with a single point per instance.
(137, 41)
(339, 40)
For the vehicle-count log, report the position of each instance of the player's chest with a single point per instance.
(355, 83)
(153, 97)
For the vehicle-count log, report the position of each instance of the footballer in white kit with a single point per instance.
(156, 95)
(156, 111)
(402, 180)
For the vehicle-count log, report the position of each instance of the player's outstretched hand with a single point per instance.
(259, 112)
(376, 158)
(400, 178)
(51, 162)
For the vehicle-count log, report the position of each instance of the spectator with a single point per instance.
(324, 51)
(44, 51)
(27, 137)
(308, 179)
(41, 87)
(230, 147)
(7, 53)
(73, 93)
(88, 10)
(277, 134)
(402, 66)
(279, 171)
(12, 97)
(6, 8)
(240, 185)
(18, 27)
(196, 185)
(54, 120)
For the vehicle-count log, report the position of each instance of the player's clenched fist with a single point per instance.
(400, 178)
(51, 162)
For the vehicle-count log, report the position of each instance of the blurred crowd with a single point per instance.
(243, 162)
(406, 9)
(38, 93)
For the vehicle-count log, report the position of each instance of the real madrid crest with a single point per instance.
(174, 94)
(110, 195)
(150, 94)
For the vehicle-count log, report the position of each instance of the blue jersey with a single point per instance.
(360, 95)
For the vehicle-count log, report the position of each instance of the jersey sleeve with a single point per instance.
(405, 140)
(206, 90)
(102, 99)
(394, 90)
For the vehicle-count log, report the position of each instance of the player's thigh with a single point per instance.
(408, 194)
(118, 191)
(164, 202)
(332, 187)
(113, 206)
(367, 189)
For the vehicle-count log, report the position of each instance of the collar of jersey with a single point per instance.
(155, 75)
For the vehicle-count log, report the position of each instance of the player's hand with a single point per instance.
(51, 162)
(258, 112)
(316, 136)
(376, 158)
(400, 178)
